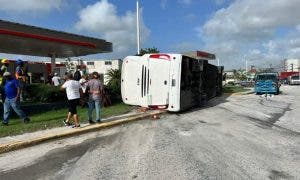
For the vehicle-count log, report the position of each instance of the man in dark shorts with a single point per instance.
(73, 91)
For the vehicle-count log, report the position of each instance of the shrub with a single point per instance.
(44, 93)
(105, 97)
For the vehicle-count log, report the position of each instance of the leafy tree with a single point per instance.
(70, 65)
(239, 75)
(148, 51)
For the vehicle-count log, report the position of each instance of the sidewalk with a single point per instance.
(12, 143)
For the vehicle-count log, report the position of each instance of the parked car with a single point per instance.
(267, 83)
(294, 79)
(247, 83)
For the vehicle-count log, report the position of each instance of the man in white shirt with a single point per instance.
(73, 91)
(56, 80)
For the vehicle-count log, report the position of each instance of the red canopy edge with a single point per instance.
(46, 38)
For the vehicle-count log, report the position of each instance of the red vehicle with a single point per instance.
(37, 71)
(284, 76)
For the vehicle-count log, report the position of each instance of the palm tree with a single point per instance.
(114, 82)
(148, 51)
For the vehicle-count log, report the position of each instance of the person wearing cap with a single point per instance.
(20, 73)
(3, 69)
(12, 100)
(95, 88)
(56, 80)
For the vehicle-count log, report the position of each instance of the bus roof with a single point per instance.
(269, 73)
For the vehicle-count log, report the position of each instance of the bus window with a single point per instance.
(186, 75)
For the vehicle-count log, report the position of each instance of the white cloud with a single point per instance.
(22, 6)
(247, 26)
(102, 19)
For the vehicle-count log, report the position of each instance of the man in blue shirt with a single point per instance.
(12, 100)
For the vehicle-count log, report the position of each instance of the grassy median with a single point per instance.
(234, 89)
(50, 119)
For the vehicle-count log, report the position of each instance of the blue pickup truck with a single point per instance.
(267, 83)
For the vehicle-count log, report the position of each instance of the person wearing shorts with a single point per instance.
(73, 91)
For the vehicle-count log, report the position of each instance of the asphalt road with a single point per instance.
(236, 137)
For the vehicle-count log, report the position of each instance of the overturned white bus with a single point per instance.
(170, 81)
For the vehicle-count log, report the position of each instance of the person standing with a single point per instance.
(56, 80)
(95, 88)
(49, 78)
(83, 82)
(77, 75)
(12, 100)
(21, 76)
(20, 72)
(73, 91)
(4, 68)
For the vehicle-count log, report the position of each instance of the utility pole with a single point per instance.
(138, 26)
(292, 66)
(285, 68)
(218, 62)
(53, 63)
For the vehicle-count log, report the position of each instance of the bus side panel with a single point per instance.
(212, 85)
(131, 81)
(209, 85)
(174, 92)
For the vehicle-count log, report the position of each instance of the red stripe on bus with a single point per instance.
(161, 56)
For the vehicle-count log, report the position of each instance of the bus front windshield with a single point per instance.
(264, 77)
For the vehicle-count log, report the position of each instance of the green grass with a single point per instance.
(50, 119)
(233, 89)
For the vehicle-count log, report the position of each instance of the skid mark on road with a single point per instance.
(274, 174)
(268, 122)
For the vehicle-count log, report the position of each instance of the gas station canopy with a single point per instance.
(23, 39)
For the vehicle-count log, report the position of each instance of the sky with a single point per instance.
(261, 32)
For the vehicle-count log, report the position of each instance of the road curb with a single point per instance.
(4, 148)
(240, 93)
